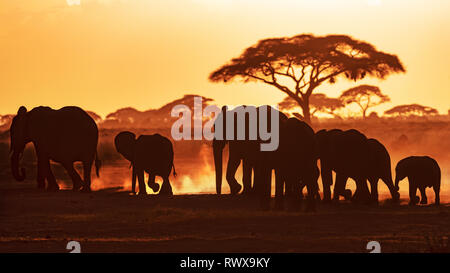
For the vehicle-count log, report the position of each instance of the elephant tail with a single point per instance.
(174, 172)
(98, 164)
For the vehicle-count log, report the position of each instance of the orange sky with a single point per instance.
(106, 54)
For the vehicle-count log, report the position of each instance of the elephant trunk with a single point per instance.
(393, 189)
(218, 150)
(19, 175)
(397, 181)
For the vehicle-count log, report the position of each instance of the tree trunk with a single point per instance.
(306, 111)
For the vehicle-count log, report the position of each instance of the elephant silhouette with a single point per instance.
(150, 153)
(422, 172)
(297, 160)
(262, 163)
(347, 154)
(244, 150)
(380, 168)
(65, 136)
(270, 161)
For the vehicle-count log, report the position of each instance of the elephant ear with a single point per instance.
(125, 143)
(17, 129)
(22, 111)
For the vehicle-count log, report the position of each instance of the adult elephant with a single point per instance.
(297, 160)
(240, 150)
(150, 153)
(65, 136)
(245, 147)
(270, 160)
(380, 168)
(346, 153)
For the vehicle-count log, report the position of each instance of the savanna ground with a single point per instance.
(106, 221)
(110, 220)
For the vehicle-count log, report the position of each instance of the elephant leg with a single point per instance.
(390, 184)
(279, 190)
(292, 196)
(140, 176)
(423, 194)
(413, 199)
(87, 168)
(311, 186)
(327, 181)
(374, 189)
(339, 187)
(52, 185)
(76, 179)
(300, 190)
(133, 181)
(315, 177)
(233, 164)
(264, 187)
(310, 180)
(436, 189)
(151, 183)
(41, 173)
(298, 187)
(166, 188)
(247, 176)
(363, 195)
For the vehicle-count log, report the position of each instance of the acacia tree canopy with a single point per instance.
(365, 96)
(319, 102)
(307, 61)
(411, 110)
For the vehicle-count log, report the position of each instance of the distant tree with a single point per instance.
(373, 115)
(153, 118)
(365, 96)
(5, 122)
(125, 115)
(307, 61)
(188, 100)
(411, 110)
(319, 103)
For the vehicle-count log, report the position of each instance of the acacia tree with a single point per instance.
(319, 102)
(298, 65)
(411, 110)
(365, 96)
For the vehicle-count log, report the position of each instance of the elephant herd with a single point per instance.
(69, 134)
(350, 154)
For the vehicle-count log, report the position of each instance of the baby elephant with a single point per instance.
(150, 153)
(422, 172)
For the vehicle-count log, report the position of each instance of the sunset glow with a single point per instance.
(104, 55)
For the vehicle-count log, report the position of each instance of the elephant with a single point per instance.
(344, 152)
(150, 153)
(268, 161)
(298, 155)
(380, 168)
(248, 151)
(65, 136)
(294, 155)
(422, 172)
(239, 150)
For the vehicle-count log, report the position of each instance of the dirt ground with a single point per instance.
(113, 221)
